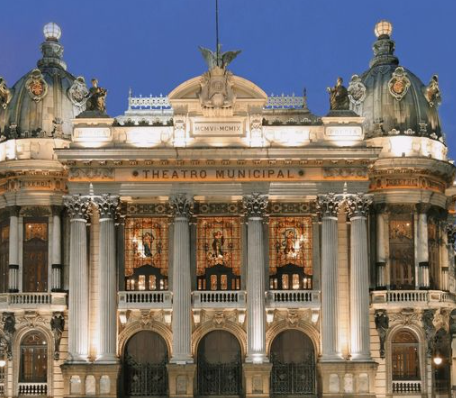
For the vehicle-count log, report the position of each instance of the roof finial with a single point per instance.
(217, 31)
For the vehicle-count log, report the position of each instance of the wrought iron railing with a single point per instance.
(219, 378)
(406, 387)
(227, 298)
(32, 388)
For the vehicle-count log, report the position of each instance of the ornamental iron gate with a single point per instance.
(146, 379)
(144, 370)
(293, 378)
(219, 378)
(219, 365)
(293, 365)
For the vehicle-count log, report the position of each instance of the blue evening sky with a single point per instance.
(151, 45)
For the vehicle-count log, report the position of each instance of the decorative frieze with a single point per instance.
(255, 205)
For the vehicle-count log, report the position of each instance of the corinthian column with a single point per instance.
(357, 209)
(78, 333)
(255, 205)
(107, 336)
(181, 207)
(13, 267)
(423, 247)
(328, 206)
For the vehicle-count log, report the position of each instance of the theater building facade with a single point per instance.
(220, 242)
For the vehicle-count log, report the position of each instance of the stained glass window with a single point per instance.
(290, 253)
(402, 248)
(35, 255)
(218, 253)
(146, 253)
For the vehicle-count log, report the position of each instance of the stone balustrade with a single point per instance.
(293, 299)
(57, 301)
(416, 297)
(219, 299)
(406, 387)
(32, 389)
(149, 299)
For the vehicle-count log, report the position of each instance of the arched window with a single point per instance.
(35, 255)
(33, 367)
(405, 356)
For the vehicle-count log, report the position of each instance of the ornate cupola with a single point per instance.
(43, 102)
(393, 101)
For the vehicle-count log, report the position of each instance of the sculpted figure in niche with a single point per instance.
(338, 96)
(97, 98)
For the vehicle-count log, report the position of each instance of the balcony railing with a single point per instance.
(219, 299)
(407, 387)
(293, 298)
(58, 301)
(32, 388)
(148, 299)
(416, 297)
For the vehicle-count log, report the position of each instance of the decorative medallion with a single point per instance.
(78, 92)
(5, 94)
(36, 85)
(356, 90)
(399, 84)
(217, 89)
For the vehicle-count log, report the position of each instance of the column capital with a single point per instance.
(13, 210)
(107, 205)
(328, 204)
(255, 204)
(358, 204)
(56, 210)
(181, 205)
(79, 207)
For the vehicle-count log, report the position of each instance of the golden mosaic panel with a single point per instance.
(36, 230)
(146, 243)
(219, 243)
(290, 242)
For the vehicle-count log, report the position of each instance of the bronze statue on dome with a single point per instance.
(96, 101)
(338, 96)
(433, 92)
(217, 58)
(5, 94)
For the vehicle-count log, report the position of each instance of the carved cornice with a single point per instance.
(181, 205)
(328, 204)
(107, 205)
(358, 204)
(79, 207)
(255, 205)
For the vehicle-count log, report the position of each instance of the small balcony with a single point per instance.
(129, 300)
(415, 298)
(412, 387)
(32, 301)
(219, 299)
(35, 389)
(293, 299)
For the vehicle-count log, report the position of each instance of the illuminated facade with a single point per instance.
(220, 242)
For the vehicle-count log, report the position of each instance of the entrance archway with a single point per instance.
(145, 359)
(293, 364)
(219, 365)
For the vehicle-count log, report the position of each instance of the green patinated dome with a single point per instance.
(44, 101)
(391, 98)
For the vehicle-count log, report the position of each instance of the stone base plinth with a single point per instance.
(257, 379)
(347, 379)
(181, 379)
(94, 380)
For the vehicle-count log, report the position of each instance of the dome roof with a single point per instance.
(391, 98)
(42, 103)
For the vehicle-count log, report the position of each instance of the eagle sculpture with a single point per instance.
(222, 60)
